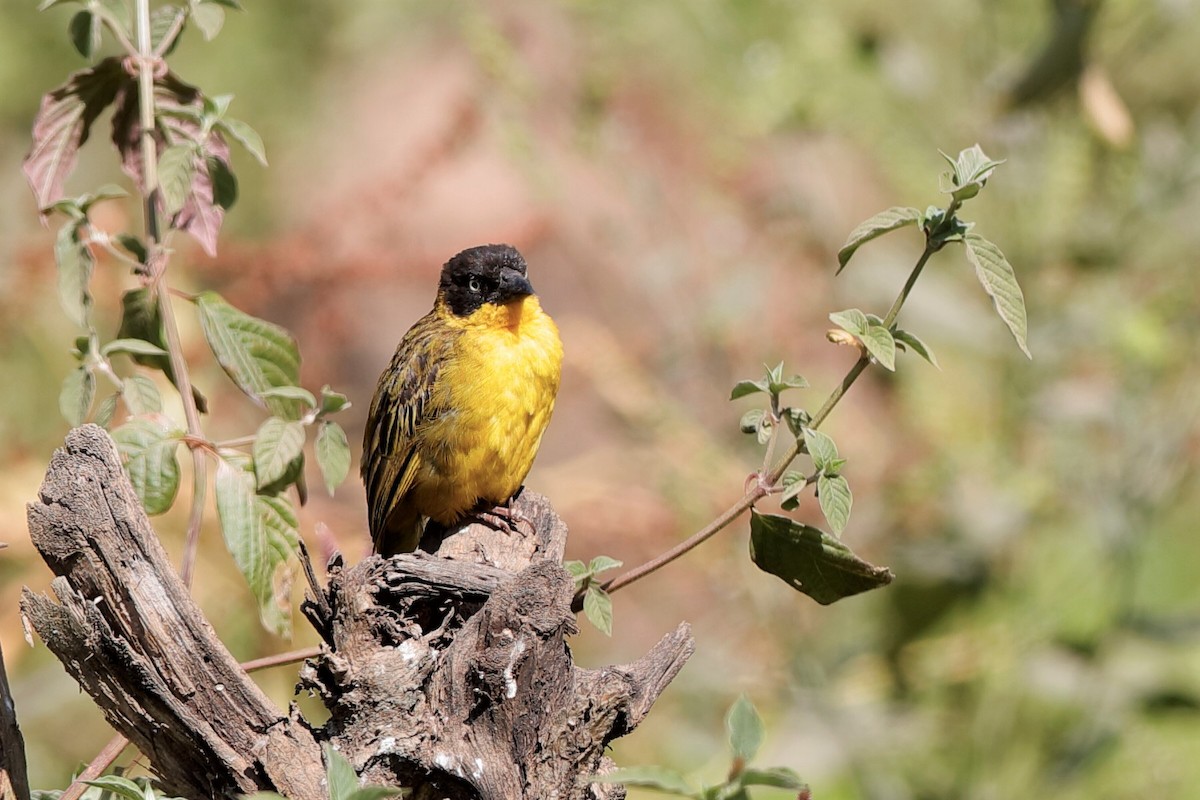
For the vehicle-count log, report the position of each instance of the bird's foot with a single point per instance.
(506, 518)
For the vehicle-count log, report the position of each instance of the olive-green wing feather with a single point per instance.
(403, 404)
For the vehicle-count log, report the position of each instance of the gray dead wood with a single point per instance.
(449, 673)
(126, 629)
(14, 782)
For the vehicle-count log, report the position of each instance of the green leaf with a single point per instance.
(375, 792)
(107, 410)
(333, 454)
(603, 564)
(276, 445)
(764, 430)
(118, 785)
(162, 22)
(744, 388)
(880, 344)
(919, 347)
(224, 183)
(291, 393)
(148, 446)
(247, 137)
(597, 606)
(75, 265)
(256, 354)
(577, 569)
(1000, 282)
(119, 9)
(241, 525)
(132, 346)
(663, 779)
(281, 532)
(85, 33)
(176, 170)
(797, 419)
(833, 492)
(134, 245)
(778, 777)
(109, 191)
(821, 447)
(745, 729)
(343, 781)
(971, 171)
(851, 320)
(332, 402)
(141, 395)
(751, 419)
(810, 560)
(228, 4)
(75, 398)
(883, 222)
(209, 17)
(793, 484)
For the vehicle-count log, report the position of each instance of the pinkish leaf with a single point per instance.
(63, 123)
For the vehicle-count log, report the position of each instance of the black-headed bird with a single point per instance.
(459, 413)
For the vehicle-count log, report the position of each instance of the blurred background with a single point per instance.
(679, 175)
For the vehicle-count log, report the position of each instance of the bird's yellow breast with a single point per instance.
(497, 394)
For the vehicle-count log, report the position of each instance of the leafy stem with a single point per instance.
(158, 269)
(768, 481)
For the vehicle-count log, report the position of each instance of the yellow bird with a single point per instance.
(459, 413)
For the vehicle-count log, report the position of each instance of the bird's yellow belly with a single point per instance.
(500, 394)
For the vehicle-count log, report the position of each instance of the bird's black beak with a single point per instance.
(513, 284)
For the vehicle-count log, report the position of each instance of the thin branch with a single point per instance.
(279, 659)
(96, 768)
(768, 479)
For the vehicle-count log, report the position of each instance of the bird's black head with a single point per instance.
(490, 273)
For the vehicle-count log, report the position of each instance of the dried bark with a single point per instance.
(449, 673)
(14, 782)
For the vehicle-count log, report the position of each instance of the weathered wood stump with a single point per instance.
(447, 672)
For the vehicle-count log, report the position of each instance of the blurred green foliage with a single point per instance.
(1042, 636)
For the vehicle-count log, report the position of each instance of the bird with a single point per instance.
(459, 412)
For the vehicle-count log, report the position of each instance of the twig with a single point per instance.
(767, 481)
(279, 659)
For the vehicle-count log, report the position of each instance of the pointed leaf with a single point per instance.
(241, 525)
(745, 729)
(119, 786)
(751, 419)
(149, 447)
(833, 492)
(793, 484)
(63, 123)
(85, 33)
(919, 347)
(333, 454)
(851, 320)
(821, 447)
(277, 443)
(209, 17)
(880, 344)
(224, 183)
(75, 398)
(1000, 282)
(663, 779)
(138, 347)
(162, 24)
(256, 354)
(577, 569)
(765, 428)
(247, 137)
(343, 781)
(291, 393)
(176, 170)
(779, 777)
(597, 606)
(603, 564)
(744, 388)
(274, 592)
(810, 560)
(883, 222)
(332, 402)
(75, 265)
(141, 395)
(107, 410)
(119, 9)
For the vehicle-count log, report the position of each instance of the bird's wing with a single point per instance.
(403, 404)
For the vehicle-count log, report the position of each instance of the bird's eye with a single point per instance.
(474, 285)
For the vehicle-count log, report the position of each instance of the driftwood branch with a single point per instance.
(449, 672)
(14, 782)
